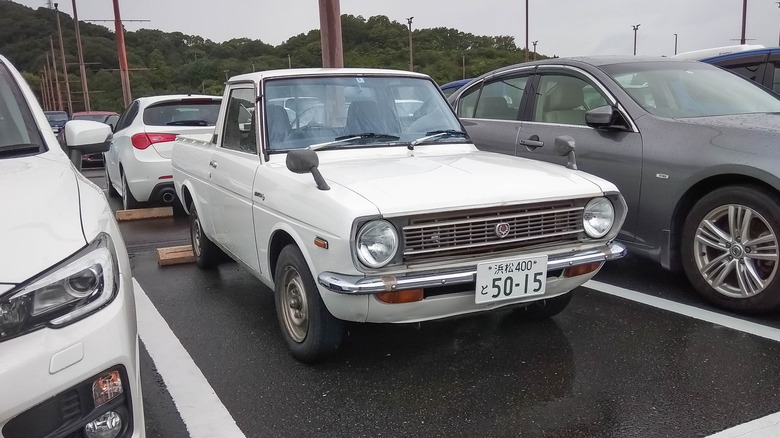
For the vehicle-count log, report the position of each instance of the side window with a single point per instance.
(564, 99)
(776, 78)
(240, 130)
(751, 71)
(468, 102)
(500, 99)
(127, 116)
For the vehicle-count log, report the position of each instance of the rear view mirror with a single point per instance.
(600, 117)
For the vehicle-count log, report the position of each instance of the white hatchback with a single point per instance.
(138, 165)
(68, 333)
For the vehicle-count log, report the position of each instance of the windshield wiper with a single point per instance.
(441, 133)
(188, 123)
(347, 139)
(19, 149)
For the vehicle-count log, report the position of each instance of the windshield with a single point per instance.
(93, 117)
(680, 90)
(56, 116)
(19, 134)
(355, 111)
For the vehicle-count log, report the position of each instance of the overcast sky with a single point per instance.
(561, 27)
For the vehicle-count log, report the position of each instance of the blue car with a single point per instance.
(56, 120)
(761, 65)
(451, 87)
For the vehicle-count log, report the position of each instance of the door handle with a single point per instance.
(531, 143)
(213, 164)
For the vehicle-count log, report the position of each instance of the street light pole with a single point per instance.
(744, 21)
(463, 66)
(636, 27)
(411, 51)
(526, 30)
(675, 44)
(778, 35)
(82, 70)
(534, 43)
(64, 63)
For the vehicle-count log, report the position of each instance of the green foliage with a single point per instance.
(172, 62)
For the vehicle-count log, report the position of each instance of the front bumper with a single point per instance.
(361, 285)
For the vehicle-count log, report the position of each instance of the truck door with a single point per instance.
(232, 168)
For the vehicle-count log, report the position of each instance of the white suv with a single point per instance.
(68, 334)
(138, 165)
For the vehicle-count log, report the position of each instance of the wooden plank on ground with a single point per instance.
(175, 255)
(144, 213)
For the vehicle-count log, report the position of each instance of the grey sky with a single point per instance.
(562, 27)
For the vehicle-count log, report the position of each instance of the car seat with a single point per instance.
(565, 103)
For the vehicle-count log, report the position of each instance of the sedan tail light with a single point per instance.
(144, 139)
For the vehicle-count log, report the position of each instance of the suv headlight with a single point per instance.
(376, 243)
(598, 217)
(71, 290)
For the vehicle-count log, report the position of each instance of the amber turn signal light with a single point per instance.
(401, 296)
(581, 269)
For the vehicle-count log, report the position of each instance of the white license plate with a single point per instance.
(511, 279)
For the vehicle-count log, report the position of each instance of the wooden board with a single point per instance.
(175, 255)
(144, 213)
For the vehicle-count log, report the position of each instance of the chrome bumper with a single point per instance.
(360, 285)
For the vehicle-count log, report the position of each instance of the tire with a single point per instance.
(207, 254)
(732, 262)
(544, 309)
(309, 329)
(128, 201)
(112, 193)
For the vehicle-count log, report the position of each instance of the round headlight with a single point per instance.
(598, 217)
(376, 243)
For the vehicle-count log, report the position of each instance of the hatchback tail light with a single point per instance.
(145, 139)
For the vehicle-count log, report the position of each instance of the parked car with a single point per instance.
(761, 65)
(692, 148)
(138, 165)
(451, 87)
(56, 119)
(362, 217)
(68, 335)
(109, 118)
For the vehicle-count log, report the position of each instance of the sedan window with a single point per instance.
(680, 90)
(18, 131)
(564, 99)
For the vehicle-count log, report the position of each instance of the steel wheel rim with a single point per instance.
(195, 235)
(295, 308)
(736, 251)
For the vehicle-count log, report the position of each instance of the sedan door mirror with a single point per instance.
(87, 137)
(601, 117)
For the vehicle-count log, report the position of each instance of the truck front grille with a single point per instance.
(482, 231)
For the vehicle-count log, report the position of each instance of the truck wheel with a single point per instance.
(311, 332)
(112, 193)
(729, 248)
(207, 255)
(548, 308)
(128, 201)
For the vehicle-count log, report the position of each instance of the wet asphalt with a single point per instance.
(605, 367)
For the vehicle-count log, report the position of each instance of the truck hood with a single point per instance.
(40, 224)
(429, 182)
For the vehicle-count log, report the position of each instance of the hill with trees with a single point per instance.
(172, 62)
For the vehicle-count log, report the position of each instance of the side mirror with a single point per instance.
(564, 146)
(87, 137)
(306, 161)
(601, 117)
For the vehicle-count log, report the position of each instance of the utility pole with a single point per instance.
(124, 75)
(534, 43)
(675, 44)
(330, 34)
(526, 30)
(289, 61)
(636, 27)
(778, 35)
(56, 75)
(44, 97)
(411, 56)
(463, 65)
(744, 21)
(64, 63)
(49, 85)
(82, 70)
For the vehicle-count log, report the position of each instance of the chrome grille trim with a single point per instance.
(473, 232)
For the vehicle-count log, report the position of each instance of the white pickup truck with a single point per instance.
(356, 195)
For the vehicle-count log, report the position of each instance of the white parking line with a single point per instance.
(765, 427)
(201, 410)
